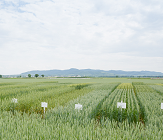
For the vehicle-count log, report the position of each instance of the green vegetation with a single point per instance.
(124, 92)
(36, 75)
(42, 75)
(99, 119)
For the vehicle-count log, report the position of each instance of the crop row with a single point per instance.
(30, 98)
(89, 102)
(158, 88)
(151, 104)
(125, 93)
(24, 127)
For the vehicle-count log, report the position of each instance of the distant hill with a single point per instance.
(91, 72)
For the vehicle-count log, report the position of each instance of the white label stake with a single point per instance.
(121, 105)
(14, 100)
(78, 106)
(161, 105)
(44, 104)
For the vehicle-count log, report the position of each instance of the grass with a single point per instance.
(99, 118)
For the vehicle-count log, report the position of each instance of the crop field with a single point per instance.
(99, 118)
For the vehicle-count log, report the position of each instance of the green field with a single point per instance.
(99, 119)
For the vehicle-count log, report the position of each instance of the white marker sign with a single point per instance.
(78, 106)
(44, 104)
(121, 105)
(161, 105)
(14, 100)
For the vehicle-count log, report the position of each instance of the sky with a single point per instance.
(97, 34)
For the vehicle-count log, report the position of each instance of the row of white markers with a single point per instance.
(44, 104)
(79, 106)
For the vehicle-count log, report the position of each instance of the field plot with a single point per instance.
(125, 93)
(29, 96)
(99, 118)
(151, 104)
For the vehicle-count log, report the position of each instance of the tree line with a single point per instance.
(29, 75)
(36, 75)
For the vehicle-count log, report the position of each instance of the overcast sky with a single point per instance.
(96, 34)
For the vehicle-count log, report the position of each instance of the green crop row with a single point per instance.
(151, 102)
(158, 88)
(29, 99)
(89, 102)
(125, 93)
(30, 128)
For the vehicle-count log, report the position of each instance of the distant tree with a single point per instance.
(42, 75)
(19, 76)
(0, 76)
(36, 75)
(116, 76)
(29, 75)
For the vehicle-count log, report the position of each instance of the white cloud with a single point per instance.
(60, 34)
